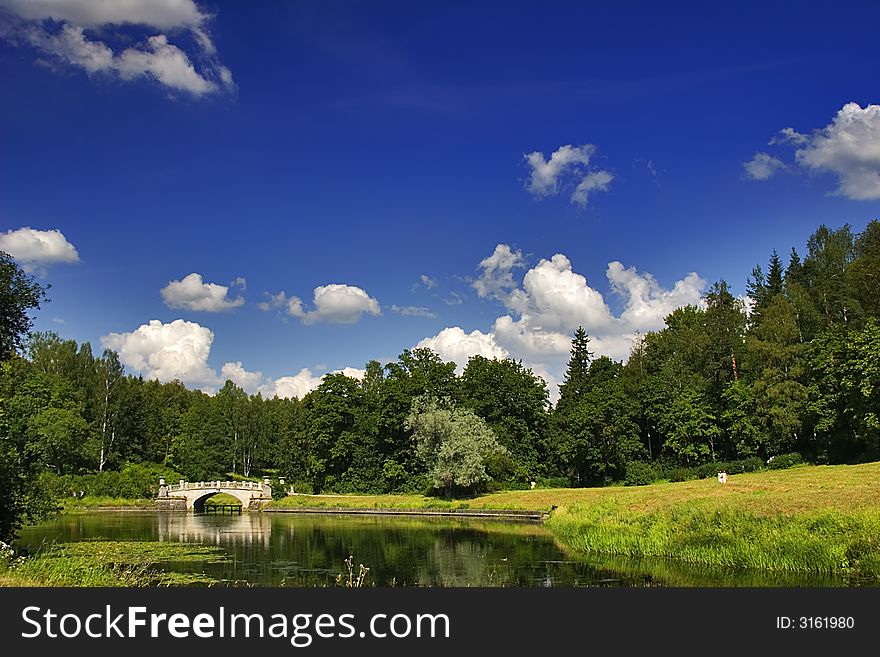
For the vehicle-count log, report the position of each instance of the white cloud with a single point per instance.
(180, 350)
(353, 372)
(34, 249)
(531, 342)
(166, 63)
(335, 304)
(427, 281)
(496, 278)
(156, 58)
(546, 175)
(177, 350)
(647, 302)
(789, 136)
(763, 166)
(275, 301)
(554, 296)
(552, 301)
(164, 14)
(453, 344)
(567, 168)
(302, 383)
(240, 282)
(289, 387)
(849, 147)
(597, 181)
(413, 311)
(235, 372)
(191, 293)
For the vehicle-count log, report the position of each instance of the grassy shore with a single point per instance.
(109, 563)
(811, 518)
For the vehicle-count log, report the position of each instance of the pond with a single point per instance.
(291, 549)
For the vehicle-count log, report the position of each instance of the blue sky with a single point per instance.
(456, 175)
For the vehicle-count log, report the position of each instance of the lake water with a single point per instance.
(291, 549)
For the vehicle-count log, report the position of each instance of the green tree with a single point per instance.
(454, 443)
(23, 498)
(514, 403)
(19, 293)
(864, 272)
(577, 370)
(598, 434)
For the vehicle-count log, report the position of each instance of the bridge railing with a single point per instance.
(201, 485)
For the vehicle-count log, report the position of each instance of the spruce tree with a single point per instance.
(774, 275)
(577, 372)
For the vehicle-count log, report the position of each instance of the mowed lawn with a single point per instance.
(843, 488)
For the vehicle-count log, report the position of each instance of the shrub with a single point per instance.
(639, 473)
(784, 461)
(133, 481)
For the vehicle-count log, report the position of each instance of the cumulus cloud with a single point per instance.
(191, 293)
(763, 166)
(302, 383)
(496, 278)
(35, 249)
(235, 372)
(77, 42)
(413, 311)
(298, 385)
(567, 168)
(353, 372)
(334, 304)
(427, 281)
(848, 147)
(176, 350)
(453, 344)
(552, 301)
(181, 349)
(647, 303)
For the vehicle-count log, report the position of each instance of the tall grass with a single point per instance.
(107, 563)
(819, 541)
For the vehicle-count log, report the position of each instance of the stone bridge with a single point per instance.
(192, 494)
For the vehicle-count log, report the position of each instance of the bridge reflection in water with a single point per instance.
(246, 529)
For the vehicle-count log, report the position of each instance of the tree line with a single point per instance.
(795, 368)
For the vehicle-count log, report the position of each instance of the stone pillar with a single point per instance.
(163, 489)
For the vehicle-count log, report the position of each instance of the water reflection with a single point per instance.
(309, 550)
(247, 528)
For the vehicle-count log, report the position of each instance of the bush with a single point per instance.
(639, 473)
(681, 474)
(133, 481)
(784, 461)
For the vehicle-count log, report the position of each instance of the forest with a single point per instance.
(791, 373)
